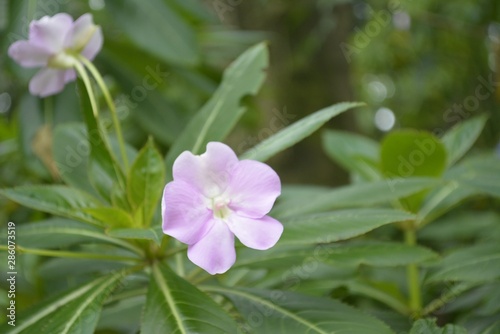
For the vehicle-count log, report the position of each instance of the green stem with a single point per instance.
(107, 96)
(412, 274)
(74, 255)
(86, 81)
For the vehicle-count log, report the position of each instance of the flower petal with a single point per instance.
(50, 32)
(47, 82)
(69, 75)
(184, 212)
(94, 45)
(210, 172)
(215, 251)
(262, 233)
(29, 55)
(253, 188)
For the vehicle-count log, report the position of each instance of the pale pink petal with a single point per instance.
(94, 45)
(29, 55)
(210, 172)
(253, 188)
(69, 75)
(50, 32)
(185, 214)
(262, 233)
(47, 82)
(215, 251)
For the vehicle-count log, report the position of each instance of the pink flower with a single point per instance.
(53, 44)
(215, 197)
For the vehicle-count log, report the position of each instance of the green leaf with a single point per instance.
(381, 254)
(58, 233)
(111, 216)
(71, 150)
(479, 263)
(429, 326)
(363, 194)
(135, 233)
(356, 153)
(286, 312)
(57, 200)
(76, 311)
(146, 181)
(338, 225)
(462, 136)
(164, 34)
(175, 306)
(294, 133)
(409, 153)
(103, 170)
(219, 115)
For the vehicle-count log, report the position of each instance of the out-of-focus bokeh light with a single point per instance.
(401, 20)
(385, 119)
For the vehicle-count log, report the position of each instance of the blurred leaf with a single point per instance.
(337, 225)
(57, 200)
(219, 115)
(462, 136)
(135, 233)
(363, 194)
(71, 150)
(146, 181)
(76, 311)
(479, 263)
(58, 233)
(479, 173)
(429, 326)
(294, 133)
(123, 316)
(286, 312)
(356, 153)
(409, 153)
(175, 306)
(163, 34)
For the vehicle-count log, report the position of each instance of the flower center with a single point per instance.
(220, 208)
(62, 60)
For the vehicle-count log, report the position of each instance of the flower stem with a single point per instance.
(86, 81)
(412, 274)
(107, 96)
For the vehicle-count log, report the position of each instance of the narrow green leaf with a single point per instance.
(338, 225)
(381, 254)
(76, 311)
(58, 233)
(286, 312)
(146, 181)
(219, 115)
(429, 326)
(57, 200)
(356, 153)
(479, 263)
(462, 136)
(175, 306)
(294, 133)
(164, 34)
(135, 233)
(363, 194)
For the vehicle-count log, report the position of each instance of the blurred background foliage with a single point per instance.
(422, 64)
(425, 64)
